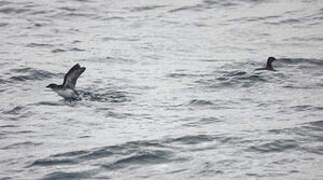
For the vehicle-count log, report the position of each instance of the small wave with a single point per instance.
(113, 18)
(185, 8)
(18, 113)
(209, 120)
(275, 146)
(110, 59)
(77, 49)
(254, 19)
(58, 50)
(198, 102)
(81, 14)
(302, 108)
(118, 115)
(316, 150)
(220, 3)
(47, 103)
(98, 153)
(177, 75)
(289, 21)
(68, 9)
(196, 139)
(22, 145)
(145, 157)
(317, 62)
(135, 153)
(205, 5)
(21, 70)
(39, 45)
(30, 74)
(312, 132)
(35, 12)
(242, 75)
(8, 126)
(305, 39)
(235, 73)
(131, 150)
(3, 24)
(185, 75)
(11, 132)
(202, 121)
(10, 10)
(21, 78)
(112, 96)
(2, 3)
(52, 162)
(252, 78)
(70, 154)
(307, 108)
(146, 8)
(234, 78)
(214, 104)
(121, 39)
(16, 110)
(177, 171)
(297, 86)
(316, 126)
(68, 175)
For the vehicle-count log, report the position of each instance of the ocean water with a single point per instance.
(169, 92)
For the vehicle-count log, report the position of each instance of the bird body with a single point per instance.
(67, 89)
(67, 93)
(268, 65)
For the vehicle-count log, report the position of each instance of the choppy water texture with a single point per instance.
(170, 90)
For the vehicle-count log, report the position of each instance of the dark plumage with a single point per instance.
(268, 65)
(66, 90)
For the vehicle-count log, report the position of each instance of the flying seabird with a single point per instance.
(268, 66)
(66, 90)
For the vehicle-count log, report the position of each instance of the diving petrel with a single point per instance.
(66, 90)
(268, 66)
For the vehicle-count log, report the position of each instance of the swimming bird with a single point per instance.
(67, 89)
(268, 66)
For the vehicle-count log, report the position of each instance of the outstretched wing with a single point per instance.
(72, 75)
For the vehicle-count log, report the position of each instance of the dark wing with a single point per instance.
(72, 75)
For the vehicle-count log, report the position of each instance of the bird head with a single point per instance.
(271, 59)
(52, 86)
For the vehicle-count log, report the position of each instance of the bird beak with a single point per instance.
(48, 86)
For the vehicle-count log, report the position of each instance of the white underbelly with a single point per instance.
(67, 93)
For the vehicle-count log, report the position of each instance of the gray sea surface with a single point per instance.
(170, 90)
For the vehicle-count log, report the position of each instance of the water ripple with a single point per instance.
(275, 146)
(143, 157)
(24, 145)
(24, 74)
(15, 111)
(110, 96)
